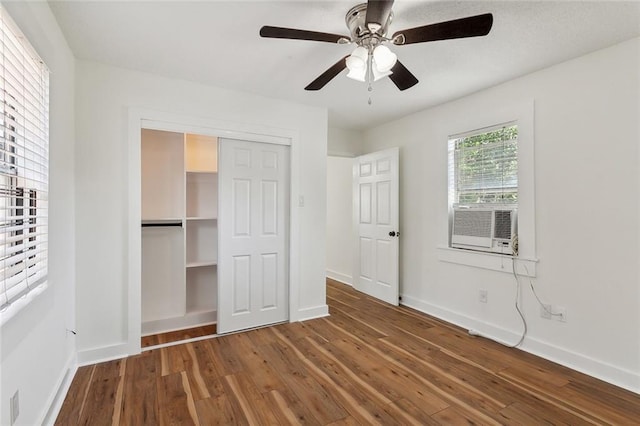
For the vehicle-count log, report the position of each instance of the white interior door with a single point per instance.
(375, 199)
(253, 254)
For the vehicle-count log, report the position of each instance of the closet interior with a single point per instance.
(179, 230)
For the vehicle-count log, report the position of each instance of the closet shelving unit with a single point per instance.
(201, 168)
(179, 230)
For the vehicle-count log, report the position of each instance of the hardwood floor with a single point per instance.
(368, 363)
(176, 336)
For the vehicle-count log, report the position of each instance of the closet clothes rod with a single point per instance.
(160, 224)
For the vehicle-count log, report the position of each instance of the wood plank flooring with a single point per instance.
(176, 336)
(368, 363)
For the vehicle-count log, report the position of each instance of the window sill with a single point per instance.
(492, 261)
(13, 309)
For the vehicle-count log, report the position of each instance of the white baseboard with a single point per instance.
(339, 276)
(179, 323)
(609, 373)
(59, 393)
(106, 353)
(312, 313)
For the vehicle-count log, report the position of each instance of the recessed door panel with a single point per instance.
(241, 207)
(383, 203)
(269, 198)
(366, 257)
(269, 280)
(384, 270)
(365, 169)
(242, 157)
(383, 166)
(269, 160)
(365, 203)
(241, 284)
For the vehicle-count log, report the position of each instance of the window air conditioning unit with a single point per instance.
(485, 228)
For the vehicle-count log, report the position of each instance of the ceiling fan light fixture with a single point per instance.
(384, 58)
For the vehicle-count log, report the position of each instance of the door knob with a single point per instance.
(392, 233)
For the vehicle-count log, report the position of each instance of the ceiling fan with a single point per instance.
(368, 24)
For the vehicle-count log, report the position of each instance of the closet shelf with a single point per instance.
(203, 172)
(202, 218)
(202, 263)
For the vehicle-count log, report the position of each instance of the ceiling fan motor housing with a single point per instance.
(357, 23)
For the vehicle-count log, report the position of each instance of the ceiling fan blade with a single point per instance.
(291, 33)
(328, 75)
(472, 26)
(377, 13)
(402, 77)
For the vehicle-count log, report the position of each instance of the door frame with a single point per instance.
(138, 119)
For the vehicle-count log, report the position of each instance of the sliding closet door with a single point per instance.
(253, 221)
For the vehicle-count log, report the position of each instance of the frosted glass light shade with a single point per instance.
(377, 75)
(357, 59)
(358, 74)
(384, 58)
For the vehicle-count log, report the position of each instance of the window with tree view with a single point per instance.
(483, 166)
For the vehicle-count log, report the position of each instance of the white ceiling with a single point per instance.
(217, 43)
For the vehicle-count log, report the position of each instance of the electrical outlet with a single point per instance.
(560, 313)
(483, 296)
(545, 311)
(14, 407)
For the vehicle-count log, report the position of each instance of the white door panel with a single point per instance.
(253, 228)
(376, 217)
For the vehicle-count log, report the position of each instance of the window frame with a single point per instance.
(480, 117)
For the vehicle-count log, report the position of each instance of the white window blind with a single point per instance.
(24, 162)
(483, 166)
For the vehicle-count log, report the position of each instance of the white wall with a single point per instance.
(340, 240)
(104, 97)
(36, 349)
(587, 208)
(344, 142)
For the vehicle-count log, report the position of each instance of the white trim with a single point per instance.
(190, 320)
(183, 341)
(145, 118)
(340, 277)
(56, 399)
(306, 314)
(609, 373)
(491, 261)
(103, 354)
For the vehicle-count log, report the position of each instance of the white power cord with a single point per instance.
(533, 290)
(473, 332)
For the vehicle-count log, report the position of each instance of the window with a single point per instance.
(24, 159)
(483, 167)
(516, 194)
(483, 190)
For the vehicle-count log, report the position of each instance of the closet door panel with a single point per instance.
(253, 224)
